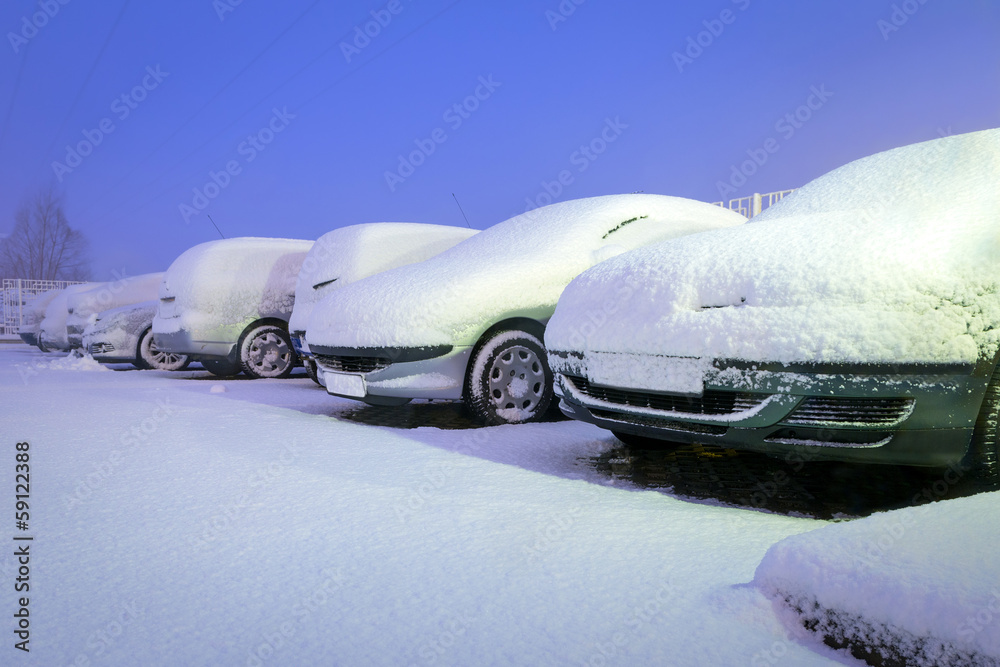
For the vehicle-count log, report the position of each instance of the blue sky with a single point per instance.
(296, 122)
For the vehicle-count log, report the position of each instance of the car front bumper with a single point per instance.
(919, 415)
(385, 376)
(29, 338)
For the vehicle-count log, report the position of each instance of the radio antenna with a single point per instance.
(215, 225)
(463, 211)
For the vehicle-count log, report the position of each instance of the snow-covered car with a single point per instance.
(83, 307)
(124, 335)
(52, 333)
(226, 304)
(349, 254)
(32, 315)
(856, 320)
(468, 323)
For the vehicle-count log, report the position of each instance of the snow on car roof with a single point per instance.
(232, 279)
(521, 264)
(894, 257)
(131, 289)
(348, 254)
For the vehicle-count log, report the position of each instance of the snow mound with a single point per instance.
(229, 282)
(518, 266)
(891, 258)
(75, 361)
(898, 579)
(349, 254)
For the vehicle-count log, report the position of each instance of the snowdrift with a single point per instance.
(921, 583)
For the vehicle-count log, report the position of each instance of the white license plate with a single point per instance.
(345, 385)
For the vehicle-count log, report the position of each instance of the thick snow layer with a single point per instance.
(84, 306)
(894, 257)
(174, 525)
(34, 311)
(349, 254)
(53, 328)
(230, 282)
(520, 266)
(925, 573)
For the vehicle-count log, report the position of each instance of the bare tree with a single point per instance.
(42, 245)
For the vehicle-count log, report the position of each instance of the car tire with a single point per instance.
(224, 368)
(310, 365)
(508, 380)
(266, 352)
(984, 450)
(41, 346)
(149, 357)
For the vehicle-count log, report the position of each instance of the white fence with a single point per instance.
(17, 292)
(755, 203)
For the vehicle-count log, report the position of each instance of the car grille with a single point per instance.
(100, 348)
(868, 412)
(712, 402)
(342, 364)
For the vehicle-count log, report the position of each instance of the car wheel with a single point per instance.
(509, 381)
(222, 367)
(266, 352)
(984, 450)
(41, 345)
(310, 365)
(151, 357)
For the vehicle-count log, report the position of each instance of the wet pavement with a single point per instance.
(821, 490)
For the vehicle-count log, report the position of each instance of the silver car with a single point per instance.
(124, 335)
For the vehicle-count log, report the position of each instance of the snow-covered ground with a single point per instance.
(183, 520)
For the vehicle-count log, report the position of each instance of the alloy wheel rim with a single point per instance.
(516, 379)
(269, 354)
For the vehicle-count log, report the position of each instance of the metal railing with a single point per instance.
(753, 204)
(17, 292)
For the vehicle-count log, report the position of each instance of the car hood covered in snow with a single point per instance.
(519, 266)
(230, 282)
(891, 258)
(349, 254)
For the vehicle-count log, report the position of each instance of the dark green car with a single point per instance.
(857, 320)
